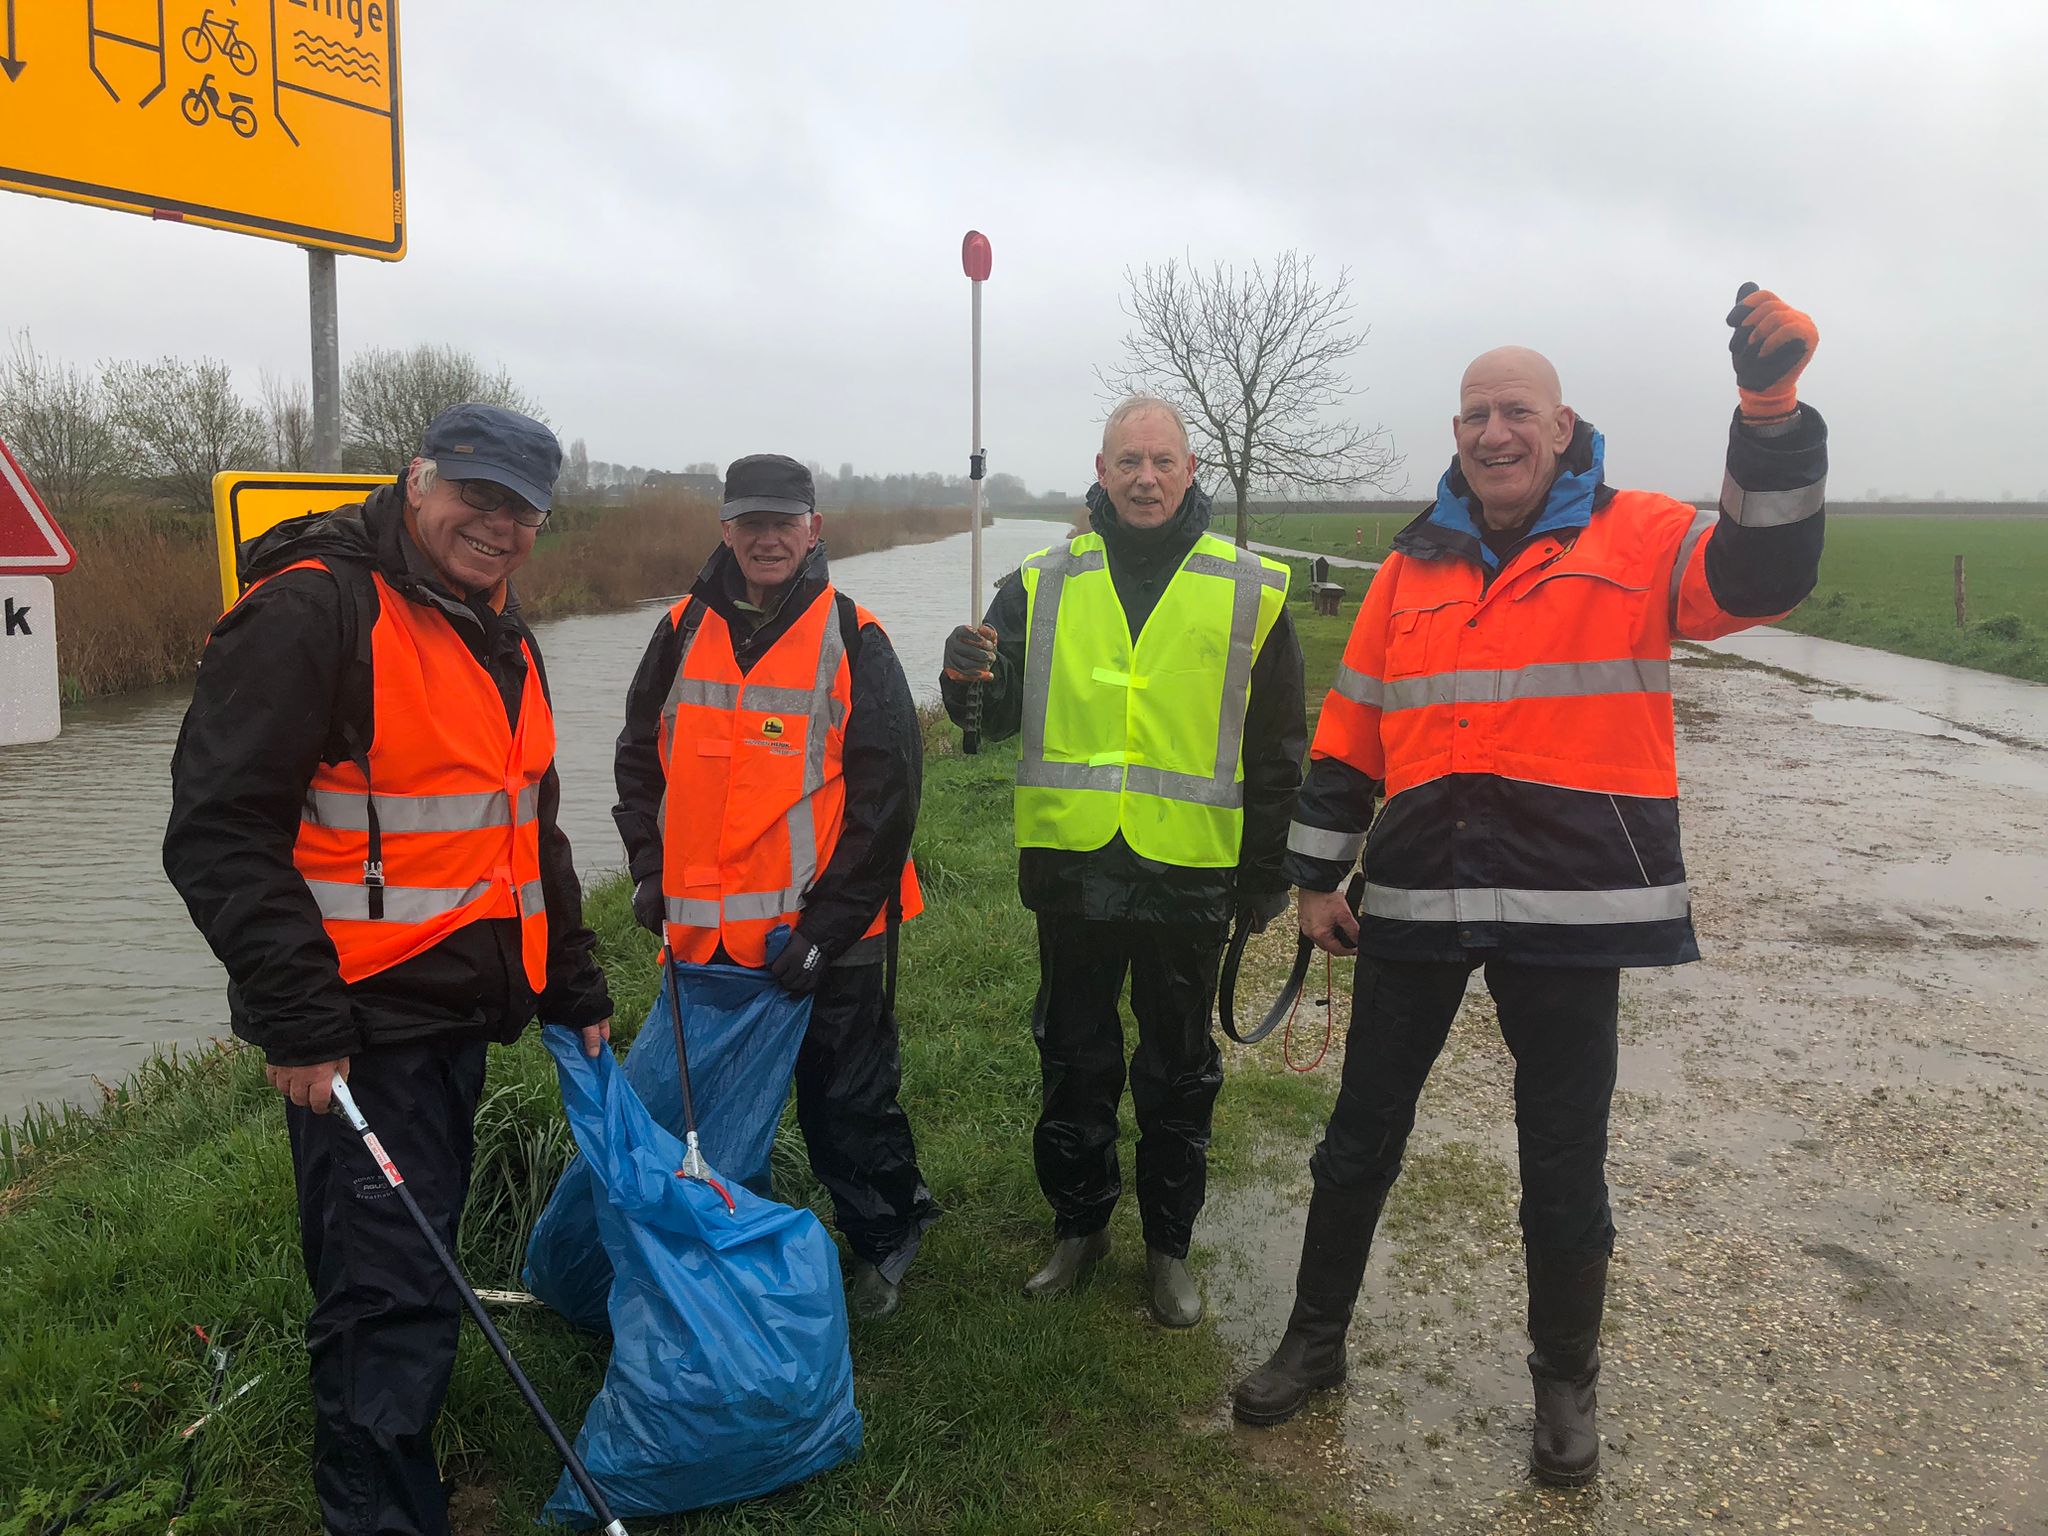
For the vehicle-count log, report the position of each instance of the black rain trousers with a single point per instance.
(849, 1071)
(382, 1334)
(1560, 1025)
(1175, 1071)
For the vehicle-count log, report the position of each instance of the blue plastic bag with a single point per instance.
(744, 1032)
(729, 1374)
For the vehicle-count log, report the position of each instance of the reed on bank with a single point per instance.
(135, 611)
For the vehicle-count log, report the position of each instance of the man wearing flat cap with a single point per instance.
(363, 825)
(768, 775)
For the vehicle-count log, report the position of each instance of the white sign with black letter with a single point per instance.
(28, 660)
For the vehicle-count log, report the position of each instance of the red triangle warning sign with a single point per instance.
(31, 543)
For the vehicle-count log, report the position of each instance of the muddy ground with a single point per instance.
(1829, 1305)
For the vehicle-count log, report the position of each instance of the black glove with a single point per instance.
(970, 650)
(800, 966)
(1257, 911)
(648, 906)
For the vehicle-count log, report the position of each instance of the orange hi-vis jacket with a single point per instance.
(1519, 721)
(437, 824)
(755, 794)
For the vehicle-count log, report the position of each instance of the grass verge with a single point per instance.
(173, 1206)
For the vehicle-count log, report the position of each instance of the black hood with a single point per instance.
(1189, 522)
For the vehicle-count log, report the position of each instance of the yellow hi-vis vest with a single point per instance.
(1146, 739)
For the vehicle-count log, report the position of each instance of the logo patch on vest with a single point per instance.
(772, 726)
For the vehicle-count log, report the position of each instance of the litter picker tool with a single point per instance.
(975, 258)
(219, 1358)
(345, 1102)
(694, 1166)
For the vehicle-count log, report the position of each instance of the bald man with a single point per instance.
(1507, 689)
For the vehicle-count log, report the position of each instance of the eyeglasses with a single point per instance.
(486, 497)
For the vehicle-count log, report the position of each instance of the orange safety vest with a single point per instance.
(437, 825)
(756, 794)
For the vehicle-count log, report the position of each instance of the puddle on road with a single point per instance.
(1881, 715)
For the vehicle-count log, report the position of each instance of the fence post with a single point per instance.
(1962, 609)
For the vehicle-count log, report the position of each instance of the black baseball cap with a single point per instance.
(487, 442)
(767, 482)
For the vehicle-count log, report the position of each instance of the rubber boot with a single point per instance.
(1311, 1354)
(873, 1295)
(1072, 1258)
(1567, 1292)
(1170, 1291)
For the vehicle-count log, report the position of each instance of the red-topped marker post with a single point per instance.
(975, 260)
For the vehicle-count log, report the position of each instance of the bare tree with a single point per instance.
(184, 424)
(389, 396)
(576, 470)
(60, 425)
(288, 419)
(1256, 361)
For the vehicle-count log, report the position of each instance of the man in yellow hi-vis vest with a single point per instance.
(1156, 684)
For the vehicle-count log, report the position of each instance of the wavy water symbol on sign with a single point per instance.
(331, 53)
(336, 58)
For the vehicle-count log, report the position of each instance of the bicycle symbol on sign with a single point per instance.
(214, 32)
(203, 102)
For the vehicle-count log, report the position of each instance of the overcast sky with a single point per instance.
(699, 230)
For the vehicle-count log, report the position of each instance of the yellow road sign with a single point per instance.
(277, 118)
(251, 502)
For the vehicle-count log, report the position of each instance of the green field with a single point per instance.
(1889, 581)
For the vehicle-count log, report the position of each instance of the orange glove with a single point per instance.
(1772, 344)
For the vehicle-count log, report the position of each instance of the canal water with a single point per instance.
(98, 960)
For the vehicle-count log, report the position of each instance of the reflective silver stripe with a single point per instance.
(1487, 904)
(1053, 567)
(1544, 680)
(674, 700)
(349, 901)
(747, 906)
(1702, 520)
(1251, 576)
(739, 907)
(697, 690)
(1358, 688)
(1246, 567)
(346, 811)
(776, 701)
(1189, 788)
(1322, 843)
(1771, 509)
(532, 899)
(1045, 775)
(690, 911)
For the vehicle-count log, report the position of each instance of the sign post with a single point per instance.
(32, 549)
(975, 259)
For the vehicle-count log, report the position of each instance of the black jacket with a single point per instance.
(882, 754)
(1113, 883)
(278, 680)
